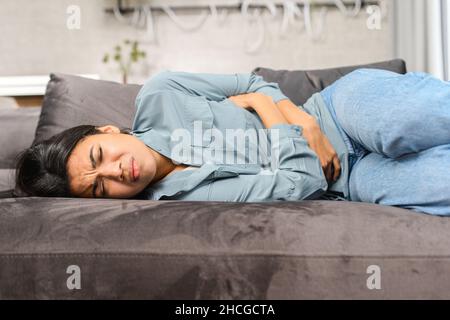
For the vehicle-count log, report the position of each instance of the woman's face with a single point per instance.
(110, 165)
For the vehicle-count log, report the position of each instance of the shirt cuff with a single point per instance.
(274, 93)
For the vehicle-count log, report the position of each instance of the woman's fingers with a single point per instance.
(327, 155)
(328, 173)
(324, 165)
(337, 168)
(332, 169)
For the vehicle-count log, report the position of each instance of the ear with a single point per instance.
(108, 129)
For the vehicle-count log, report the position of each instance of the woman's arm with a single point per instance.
(296, 115)
(295, 174)
(214, 87)
(266, 109)
(271, 113)
(316, 139)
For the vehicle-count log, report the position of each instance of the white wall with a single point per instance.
(35, 40)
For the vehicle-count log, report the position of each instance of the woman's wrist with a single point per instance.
(267, 110)
(255, 99)
(296, 115)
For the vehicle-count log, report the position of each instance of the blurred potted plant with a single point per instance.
(125, 58)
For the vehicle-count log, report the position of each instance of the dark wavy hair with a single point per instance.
(41, 170)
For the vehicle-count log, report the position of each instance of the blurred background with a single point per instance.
(128, 41)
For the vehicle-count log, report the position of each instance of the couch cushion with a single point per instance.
(71, 100)
(17, 131)
(214, 250)
(299, 85)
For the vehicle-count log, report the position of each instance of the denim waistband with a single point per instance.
(360, 152)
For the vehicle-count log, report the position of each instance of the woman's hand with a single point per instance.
(317, 141)
(320, 144)
(263, 105)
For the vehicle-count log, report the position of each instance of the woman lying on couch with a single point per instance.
(373, 136)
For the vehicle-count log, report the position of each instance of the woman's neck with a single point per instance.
(164, 165)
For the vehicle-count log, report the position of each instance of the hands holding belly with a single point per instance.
(317, 141)
(328, 157)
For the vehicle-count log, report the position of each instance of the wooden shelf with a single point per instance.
(29, 101)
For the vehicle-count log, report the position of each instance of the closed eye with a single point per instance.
(100, 159)
(94, 163)
(100, 151)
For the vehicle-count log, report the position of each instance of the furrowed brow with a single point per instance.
(93, 163)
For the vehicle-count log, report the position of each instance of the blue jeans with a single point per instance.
(398, 130)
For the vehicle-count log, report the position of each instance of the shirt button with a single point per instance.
(292, 187)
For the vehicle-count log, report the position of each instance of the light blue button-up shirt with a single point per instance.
(187, 118)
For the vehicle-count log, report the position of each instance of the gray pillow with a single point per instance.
(7, 179)
(299, 85)
(17, 131)
(71, 100)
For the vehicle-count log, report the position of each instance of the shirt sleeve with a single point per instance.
(299, 175)
(215, 87)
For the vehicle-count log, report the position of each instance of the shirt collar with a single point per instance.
(186, 180)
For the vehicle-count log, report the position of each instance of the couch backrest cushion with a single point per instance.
(7, 177)
(299, 85)
(71, 100)
(17, 131)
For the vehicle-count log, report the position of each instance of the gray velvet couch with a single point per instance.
(141, 249)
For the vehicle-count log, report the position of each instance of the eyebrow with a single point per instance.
(93, 163)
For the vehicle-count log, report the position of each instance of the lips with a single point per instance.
(134, 169)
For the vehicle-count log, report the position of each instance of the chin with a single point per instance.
(150, 180)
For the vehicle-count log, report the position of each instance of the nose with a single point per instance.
(112, 170)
